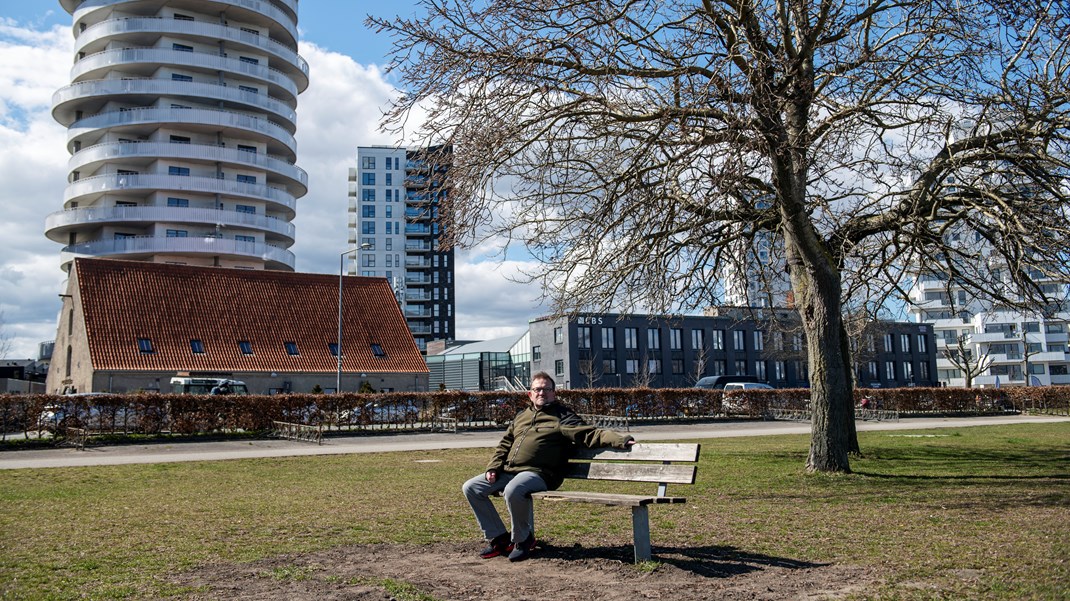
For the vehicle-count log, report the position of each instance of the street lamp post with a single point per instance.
(338, 341)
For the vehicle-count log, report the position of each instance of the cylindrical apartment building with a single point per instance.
(181, 117)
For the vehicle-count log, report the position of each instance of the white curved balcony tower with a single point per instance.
(180, 121)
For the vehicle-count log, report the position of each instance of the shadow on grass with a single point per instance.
(707, 562)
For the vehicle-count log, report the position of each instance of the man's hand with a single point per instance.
(491, 476)
(630, 442)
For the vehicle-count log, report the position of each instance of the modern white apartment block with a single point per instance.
(1007, 348)
(181, 117)
(394, 199)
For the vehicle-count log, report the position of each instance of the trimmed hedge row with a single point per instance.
(149, 413)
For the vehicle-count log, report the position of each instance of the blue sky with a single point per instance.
(339, 112)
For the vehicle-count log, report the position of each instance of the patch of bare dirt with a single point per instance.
(450, 572)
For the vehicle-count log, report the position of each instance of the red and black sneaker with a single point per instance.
(499, 545)
(523, 549)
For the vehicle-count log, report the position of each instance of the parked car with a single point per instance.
(737, 402)
(719, 382)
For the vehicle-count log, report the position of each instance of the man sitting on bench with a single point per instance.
(531, 457)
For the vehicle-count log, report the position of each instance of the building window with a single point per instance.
(248, 89)
(609, 366)
(874, 371)
(367, 162)
(241, 238)
(923, 343)
(923, 371)
(177, 202)
(759, 370)
(559, 367)
(247, 179)
(333, 346)
(888, 346)
(718, 341)
(631, 366)
(608, 338)
(739, 340)
(759, 340)
(247, 209)
(889, 370)
(559, 335)
(631, 338)
(367, 179)
(368, 212)
(677, 366)
(780, 372)
(584, 334)
(248, 60)
(904, 341)
(245, 347)
(653, 366)
(908, 371)
(180, 77)
(177, 234)
(367, 195)
(676, 339)
(377, 350)
(717, 368)
(536, 353)
(653, 338)
(388, 180)
(183, 171)
(144, 345)
(179, 17)
(196, 346)
(367, 227)
(741, 367)
(180, 139)
(247, 148)
(291, 348)
(697, 342)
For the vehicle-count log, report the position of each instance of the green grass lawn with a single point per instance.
(924, 506)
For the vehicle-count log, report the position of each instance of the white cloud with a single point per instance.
(339, 112)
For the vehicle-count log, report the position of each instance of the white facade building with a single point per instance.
(181, 117)
(394, 198)
(1008, 348)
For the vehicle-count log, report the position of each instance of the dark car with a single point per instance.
(719, 382)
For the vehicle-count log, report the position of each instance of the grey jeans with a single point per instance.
(516, 489)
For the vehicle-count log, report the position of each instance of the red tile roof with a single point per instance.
(171, 305)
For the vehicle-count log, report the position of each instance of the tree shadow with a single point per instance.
(709, 561)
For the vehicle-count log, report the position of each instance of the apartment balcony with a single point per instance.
(418, 311)
(1003, 358)
(417, 296)
(66, 101)
(87, 190)
(148, 60)
(1050, 357)
(92, 158)
(59, 224)
(417, 229)
(419, 328)
(261, 13)
(417, 279)
(994, 337)
(1004, 380)
(418, 246)
(417, 263)
(245, 125)
(144, 247)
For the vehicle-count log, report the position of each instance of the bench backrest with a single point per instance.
(642, 462)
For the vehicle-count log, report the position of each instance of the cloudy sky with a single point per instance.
(339, 112)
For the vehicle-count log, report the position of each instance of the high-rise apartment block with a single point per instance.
(394, 199)
(181, 117)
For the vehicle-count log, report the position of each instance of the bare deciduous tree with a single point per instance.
(646, 144)
(961, 355)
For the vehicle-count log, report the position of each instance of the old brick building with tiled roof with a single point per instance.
(132, 326)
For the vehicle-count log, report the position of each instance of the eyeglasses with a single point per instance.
(542, 389)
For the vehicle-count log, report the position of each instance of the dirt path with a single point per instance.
(449, 572)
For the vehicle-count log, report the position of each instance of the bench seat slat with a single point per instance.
(676, 474)
(643, 452)
(605, 498)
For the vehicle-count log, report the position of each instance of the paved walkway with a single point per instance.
(167, 452)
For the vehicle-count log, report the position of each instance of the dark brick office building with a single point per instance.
(610, 350)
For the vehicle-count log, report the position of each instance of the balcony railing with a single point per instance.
(108, 59)
(100, 215)
(148, 245)
(166, 87)
(196, 152)
(192, 116)
(285, 21)
(114, 182)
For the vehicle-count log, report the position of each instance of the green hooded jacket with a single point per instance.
(542, 441)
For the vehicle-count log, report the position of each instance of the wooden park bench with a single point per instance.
(641, 463)
(303, 432)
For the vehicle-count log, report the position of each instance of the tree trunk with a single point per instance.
(816, 285)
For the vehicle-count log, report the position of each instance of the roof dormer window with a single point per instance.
(377, 350)
(246, 347)
(145, 345)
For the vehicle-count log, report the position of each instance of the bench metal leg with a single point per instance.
(641, 533)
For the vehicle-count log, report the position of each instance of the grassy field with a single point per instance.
(926, 507)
